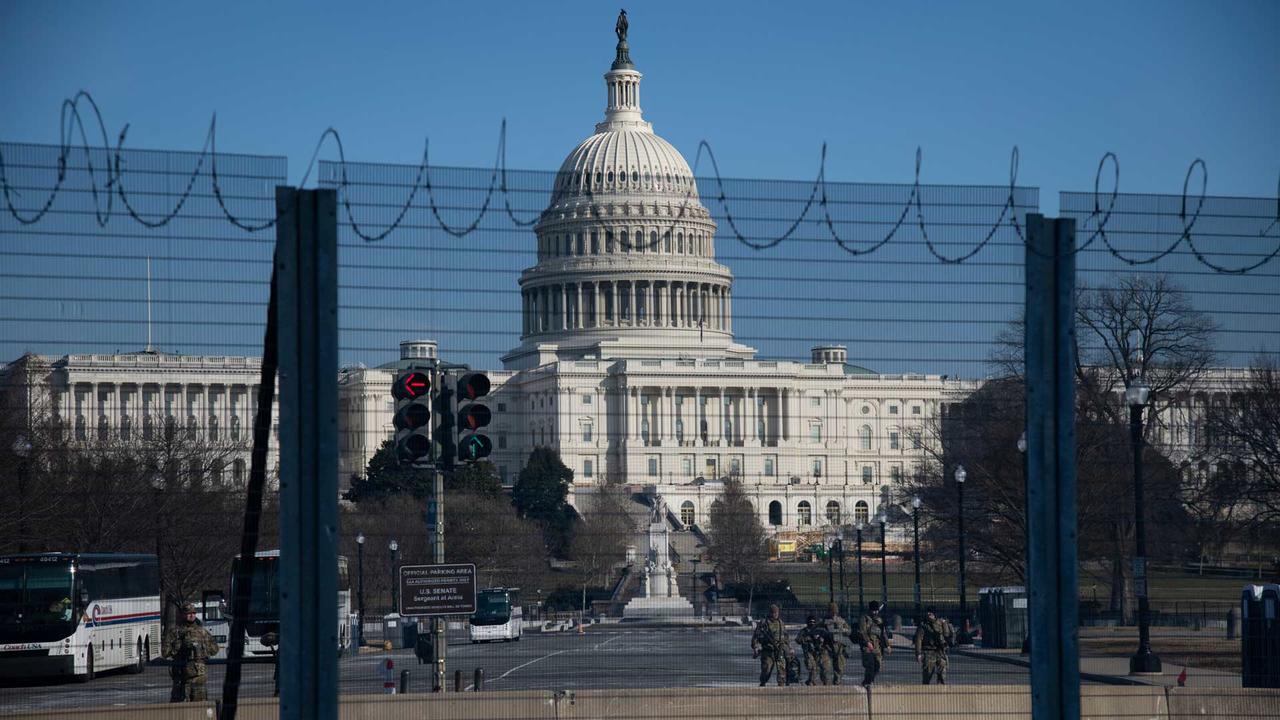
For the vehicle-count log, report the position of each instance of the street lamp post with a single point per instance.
(1144, 662)
(915, 526)
(395, 552)
(22, 447)
(844, 593)
(964, 637)
(884, 560)
(831, 571)
(360, 583)
(861, 600)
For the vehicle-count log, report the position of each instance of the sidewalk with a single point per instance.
(1113, 670)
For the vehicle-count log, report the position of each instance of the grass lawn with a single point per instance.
(1185, 648)
(809, 583)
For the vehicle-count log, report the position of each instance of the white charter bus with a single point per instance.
(264, 607)
(498, 615)
(77, 614)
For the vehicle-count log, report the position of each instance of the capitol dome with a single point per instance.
(621, 161)
(626, 251)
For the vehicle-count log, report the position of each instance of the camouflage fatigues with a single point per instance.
(771, 642)
(875, 643)
(933, 637)
(189, 645)
(816, 643)
(840, 632)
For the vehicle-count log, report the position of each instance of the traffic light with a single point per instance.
(445, 443)
(472, 416)
(412, 392)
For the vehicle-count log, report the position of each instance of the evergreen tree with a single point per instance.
(384, 477)
(540, 494)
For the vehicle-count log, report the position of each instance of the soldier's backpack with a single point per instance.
(793, 669)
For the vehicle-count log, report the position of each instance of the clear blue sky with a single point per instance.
(1159, 83)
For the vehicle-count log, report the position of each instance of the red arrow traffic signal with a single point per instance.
(411, 386)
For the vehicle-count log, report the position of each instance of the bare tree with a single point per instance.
(1130, 327)
(1243, 440)
(600, 540)
(736, 540)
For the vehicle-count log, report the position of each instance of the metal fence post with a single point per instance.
(1051, 482)
(306, 262)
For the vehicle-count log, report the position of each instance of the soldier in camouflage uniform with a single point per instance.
(771, 645)
(840, 633)
(933, 637)
(875, 643)
(189, 645)
(816, 642)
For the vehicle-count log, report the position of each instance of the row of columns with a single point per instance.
(584, 244)
(626, 303)
(733, 416)
(781, 410)
(133, 403)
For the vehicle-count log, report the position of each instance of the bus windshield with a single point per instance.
(493, 605)
(35, 602)
(264, 604)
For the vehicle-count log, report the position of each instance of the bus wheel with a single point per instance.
(517, 638)
(88, 673)
(141, 662)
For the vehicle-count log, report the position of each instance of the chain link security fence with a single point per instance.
(691, 424)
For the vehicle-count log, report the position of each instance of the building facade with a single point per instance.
(145, 396)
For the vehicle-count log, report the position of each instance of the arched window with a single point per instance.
(775, 513)
(595, 243)
(686, 512)
(864, 437)
(653, 240)
(580, 249)
(861, 512)
(833, 512)
(804, 513)
(608, 241)
(622, 238)
(680, 243)
(666, 242)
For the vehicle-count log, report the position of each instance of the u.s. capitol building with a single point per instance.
(628, 368)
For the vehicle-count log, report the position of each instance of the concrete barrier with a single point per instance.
(167, 711)
(1103, 702)
(1223, 703)
(958, 702)
(518, 705)
(972, 702)
(793, 703)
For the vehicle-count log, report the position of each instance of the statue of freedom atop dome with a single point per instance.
(621, 27)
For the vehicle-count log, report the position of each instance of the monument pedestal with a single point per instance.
(661, 599)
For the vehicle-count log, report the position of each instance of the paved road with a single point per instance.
(602, 658)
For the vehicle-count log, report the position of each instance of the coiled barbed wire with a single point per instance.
(71, 121)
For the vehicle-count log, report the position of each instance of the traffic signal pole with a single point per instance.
(437, 556)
